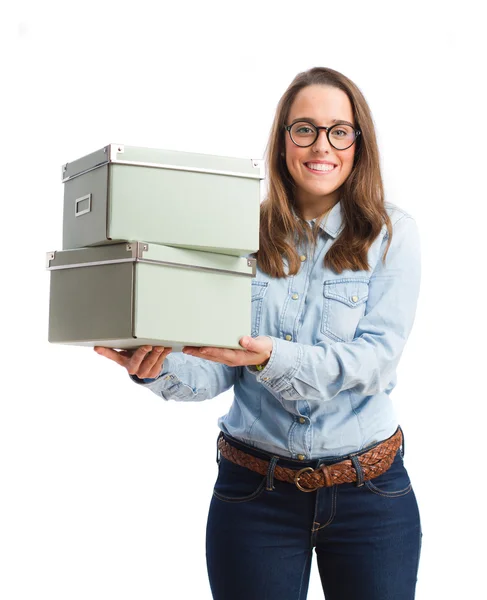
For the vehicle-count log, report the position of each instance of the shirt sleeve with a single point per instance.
(189, 378)
(368, 363)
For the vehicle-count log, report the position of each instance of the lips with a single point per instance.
(319, 162)
(317, 168)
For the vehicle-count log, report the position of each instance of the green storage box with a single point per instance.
(179, 199)
(135, 293)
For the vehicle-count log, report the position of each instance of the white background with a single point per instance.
(93, 504)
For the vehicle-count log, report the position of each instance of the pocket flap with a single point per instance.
(259, 289)
(349, 291)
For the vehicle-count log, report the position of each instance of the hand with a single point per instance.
(256, 351)
(143, 362)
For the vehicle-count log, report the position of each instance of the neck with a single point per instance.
(313, 207)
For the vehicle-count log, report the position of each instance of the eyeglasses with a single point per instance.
(305, 134)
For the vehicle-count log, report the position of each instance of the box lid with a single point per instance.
(136, 251)
(164, 159)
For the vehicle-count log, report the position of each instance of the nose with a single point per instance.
(322, 142)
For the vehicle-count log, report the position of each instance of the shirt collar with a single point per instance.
(333, 221)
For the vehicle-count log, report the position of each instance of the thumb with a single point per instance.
(248, 343)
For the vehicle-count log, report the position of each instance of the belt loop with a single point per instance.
(360, 473)
(270, 473)
(218, 453)
(402, 447)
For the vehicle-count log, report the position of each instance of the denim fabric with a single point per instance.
(261, 533)
(337, 340)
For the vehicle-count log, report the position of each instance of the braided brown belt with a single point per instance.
(374, 462)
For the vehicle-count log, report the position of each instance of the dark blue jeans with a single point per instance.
(261, 533)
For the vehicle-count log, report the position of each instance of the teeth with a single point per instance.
(320, 167)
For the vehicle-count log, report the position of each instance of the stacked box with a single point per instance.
(154, 249)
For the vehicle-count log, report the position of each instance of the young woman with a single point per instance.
(311, 454)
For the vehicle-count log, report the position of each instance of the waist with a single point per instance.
(308, 429)
(293, 463)
(357, 467)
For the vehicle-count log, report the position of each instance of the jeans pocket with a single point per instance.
(393, 483)
(237, 484)
(344, 302)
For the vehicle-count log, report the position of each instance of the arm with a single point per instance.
(367, 364)
(189, 378)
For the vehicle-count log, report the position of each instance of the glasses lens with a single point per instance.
(303, 134)
(342, 136)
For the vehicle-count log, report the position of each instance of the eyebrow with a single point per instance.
(341, 121)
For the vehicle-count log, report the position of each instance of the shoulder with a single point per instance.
(396, 213)
(401, 220)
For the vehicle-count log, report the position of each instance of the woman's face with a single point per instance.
(316, 191)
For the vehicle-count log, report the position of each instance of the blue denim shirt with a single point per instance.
(337, 340)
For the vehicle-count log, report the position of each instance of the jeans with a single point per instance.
(261, 533)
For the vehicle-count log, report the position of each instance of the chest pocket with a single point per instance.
(259, 289)
(344, 302)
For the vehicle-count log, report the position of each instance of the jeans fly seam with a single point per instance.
(334, 493)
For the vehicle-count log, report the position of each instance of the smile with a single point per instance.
(319, 168)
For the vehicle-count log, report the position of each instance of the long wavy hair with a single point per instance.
(361, 195)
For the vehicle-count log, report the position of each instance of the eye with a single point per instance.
(303, 129)
(342, 131)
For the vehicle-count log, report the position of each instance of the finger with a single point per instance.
(213, 354)
(197, 350)
(134, 362)
(157, 368)
(151, 359)
(220, 354)
(111, 354)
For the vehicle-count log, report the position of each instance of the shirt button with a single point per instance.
(302, 258)
(295, 296)
(301, 456)
(302, 420)
(288, 337)
(355, 298)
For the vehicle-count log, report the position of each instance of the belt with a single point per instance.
(371, 463)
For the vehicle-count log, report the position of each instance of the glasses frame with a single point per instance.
(327, 129)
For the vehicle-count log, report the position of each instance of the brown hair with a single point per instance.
(361, 195)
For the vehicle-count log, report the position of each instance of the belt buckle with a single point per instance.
(297, 476)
